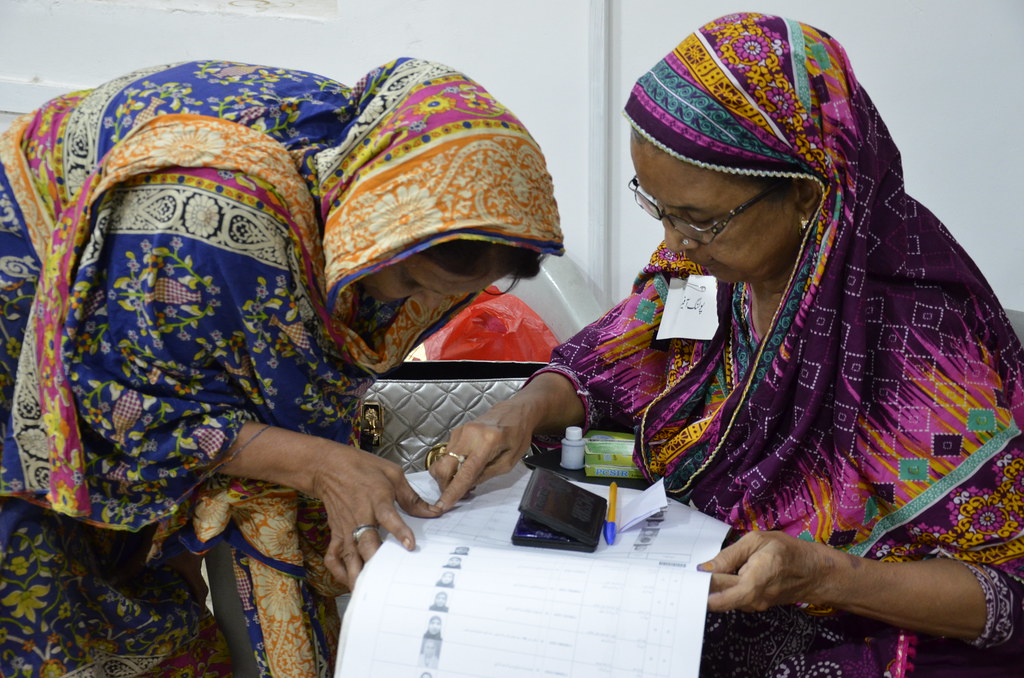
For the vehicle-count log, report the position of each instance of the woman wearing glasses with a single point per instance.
(854, 410)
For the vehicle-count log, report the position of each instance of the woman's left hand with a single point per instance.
(358, 490)
(763, 569)
(937, 596)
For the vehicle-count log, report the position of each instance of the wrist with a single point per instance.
(318, 463)
(526, 411)
(279, 456)
(839, 578)
(550, 403)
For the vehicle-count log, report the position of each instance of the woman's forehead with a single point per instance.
(676, 182)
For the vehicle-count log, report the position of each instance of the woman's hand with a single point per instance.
(937, 596)
(356, 487)
(495, 442)
(491, 444)
(763, 569)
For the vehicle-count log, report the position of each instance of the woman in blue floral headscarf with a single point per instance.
(203, 267)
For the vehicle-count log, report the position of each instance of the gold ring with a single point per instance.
(441, 450)
(435, 452)
(458, 457)
(361, 530)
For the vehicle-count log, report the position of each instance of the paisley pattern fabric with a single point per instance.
(182, 249)
(881, 411)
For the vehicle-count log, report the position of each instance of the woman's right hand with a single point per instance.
(491, 444)
(494, 443)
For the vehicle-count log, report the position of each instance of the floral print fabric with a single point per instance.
(181, 255)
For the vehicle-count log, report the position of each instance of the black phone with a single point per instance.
(555, 513)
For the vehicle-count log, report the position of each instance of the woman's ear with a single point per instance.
(808, 197)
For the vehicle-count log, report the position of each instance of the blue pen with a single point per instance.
(609, 524)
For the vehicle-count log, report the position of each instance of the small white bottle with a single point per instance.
(572, 448)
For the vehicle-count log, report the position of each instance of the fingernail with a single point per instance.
(439, 506)
(407, 543)
(704, 567)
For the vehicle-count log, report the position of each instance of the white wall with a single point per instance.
(937, 69)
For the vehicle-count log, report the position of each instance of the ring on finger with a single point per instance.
(441, 450)
(436, 452)
(461, 458)
(361, 530)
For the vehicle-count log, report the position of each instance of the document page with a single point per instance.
(537, 613)
(467, 603)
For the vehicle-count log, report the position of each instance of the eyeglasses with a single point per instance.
(702, 234)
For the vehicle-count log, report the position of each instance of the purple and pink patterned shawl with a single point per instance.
(880, 413)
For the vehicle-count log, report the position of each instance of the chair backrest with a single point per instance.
(1017, 320)
(562, 296)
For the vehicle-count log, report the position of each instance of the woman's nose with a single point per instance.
(676, 241)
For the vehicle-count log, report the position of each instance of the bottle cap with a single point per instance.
(574, 433)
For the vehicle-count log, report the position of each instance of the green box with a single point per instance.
(605, 471)
(599, 434)
(608, 459)
(608, 452)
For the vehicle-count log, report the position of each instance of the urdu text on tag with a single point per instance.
(691, 309)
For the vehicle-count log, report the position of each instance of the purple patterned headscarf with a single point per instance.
(880, 413)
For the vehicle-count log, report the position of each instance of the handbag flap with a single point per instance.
(417, 404)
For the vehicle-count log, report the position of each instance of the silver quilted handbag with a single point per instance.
(417, 405)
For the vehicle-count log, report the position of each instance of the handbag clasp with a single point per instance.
(371, 424)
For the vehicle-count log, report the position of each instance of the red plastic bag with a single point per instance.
(499, 327)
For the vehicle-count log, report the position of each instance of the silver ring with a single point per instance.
(361, 530)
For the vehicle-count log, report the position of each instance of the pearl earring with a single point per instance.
(803, 225)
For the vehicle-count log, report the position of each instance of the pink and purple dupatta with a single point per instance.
(880, 413)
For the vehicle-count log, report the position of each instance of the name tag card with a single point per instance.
(691, 309)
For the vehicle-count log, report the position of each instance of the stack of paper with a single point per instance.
(466, 603)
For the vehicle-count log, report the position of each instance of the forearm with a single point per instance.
(278, 456)
(548, 404)
(938, 596)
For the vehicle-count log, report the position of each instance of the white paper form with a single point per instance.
(633, 609)
(486, 516)
(536, 613)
